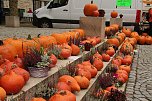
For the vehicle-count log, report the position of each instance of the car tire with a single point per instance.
(45, 23)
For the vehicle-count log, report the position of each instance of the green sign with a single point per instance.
(123, 3)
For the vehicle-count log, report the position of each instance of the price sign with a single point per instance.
(123, 3)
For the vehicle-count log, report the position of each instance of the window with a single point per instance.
(58, 3)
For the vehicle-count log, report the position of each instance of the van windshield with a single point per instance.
(59, 3)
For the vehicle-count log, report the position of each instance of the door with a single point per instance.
(59, 9)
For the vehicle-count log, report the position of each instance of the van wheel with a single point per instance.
(45, 23)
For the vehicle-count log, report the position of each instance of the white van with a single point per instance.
(69, 11)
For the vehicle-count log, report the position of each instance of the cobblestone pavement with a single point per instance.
(22, 32)
(139, 87)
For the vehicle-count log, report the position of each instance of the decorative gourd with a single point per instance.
(89, 9)
(114, 14)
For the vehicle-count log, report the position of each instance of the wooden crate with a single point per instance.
(93, 26)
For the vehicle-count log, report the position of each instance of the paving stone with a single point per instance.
(143, 99)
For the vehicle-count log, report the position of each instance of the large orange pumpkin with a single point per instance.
(82, 81)
(98, 64)
(2, 94)
(12, 83)
(62, 86)
(114, 14)
(70, 81)
(63, 95)
(89, 9)
(22, 72)
(60, 38)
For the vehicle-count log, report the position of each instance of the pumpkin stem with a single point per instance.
(1, 42)
(29, 37)
(91, 1)
(63, 92)
(38, 35)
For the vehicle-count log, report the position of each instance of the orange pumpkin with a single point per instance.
(12, 83)
(7, 51)
(134, 35)
(65, 53)
(75, 50)
(125, 67)
(127, 31)
(60, 38)
(142, 40)
(126, 48)
(62, 86)
(113, 42)
(22, 72)
(2, 94)
(105, 57)
(89, 9)
(148, 40)
(18, 61)
(53, 60)
(80, 31)
(98, 64)
(82, 81)
(70, 81)
(63, 95)
(38, 99)
(114, 14)
(45, 41)
(85, 73)
(97, 55)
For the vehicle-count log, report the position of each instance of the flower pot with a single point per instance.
(38, 72)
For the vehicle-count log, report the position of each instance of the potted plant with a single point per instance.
(37, 62)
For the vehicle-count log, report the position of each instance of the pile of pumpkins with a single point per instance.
(14, 76)
(86, 70)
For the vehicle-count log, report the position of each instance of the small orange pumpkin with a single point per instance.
(114, 14)
(89, 9)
